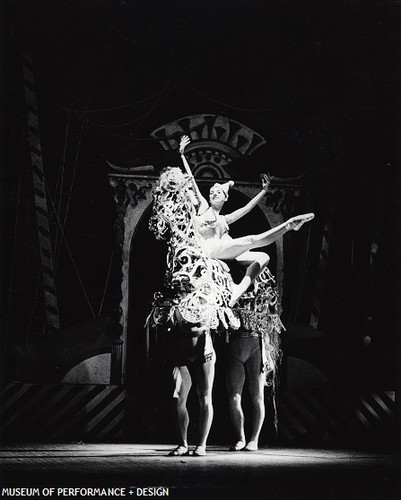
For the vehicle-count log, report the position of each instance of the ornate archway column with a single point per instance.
(132, 194)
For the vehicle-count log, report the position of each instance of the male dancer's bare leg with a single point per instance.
(204, 386)
(235, 378)
(256, 391)
(182, 412)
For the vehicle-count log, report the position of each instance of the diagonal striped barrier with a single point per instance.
(348, 418)
(62, 412)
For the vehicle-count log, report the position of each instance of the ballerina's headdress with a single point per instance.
(224, 187)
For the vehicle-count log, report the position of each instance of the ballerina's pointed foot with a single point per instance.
(232, 302)
(238, 446)
(266, 179)
(199, 451)
(300, 220)
(238, 291)
(251, 446)
(180, 451)
(234, 296)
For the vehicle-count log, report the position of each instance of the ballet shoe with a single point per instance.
(180, 451)
(234, 296)
(303, 219)
(238, 446)
(232, 302)
(237, 293)
(199, 451)
(251, 446)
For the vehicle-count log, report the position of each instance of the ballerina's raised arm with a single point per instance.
(203, 204)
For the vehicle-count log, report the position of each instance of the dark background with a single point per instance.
(319, 80)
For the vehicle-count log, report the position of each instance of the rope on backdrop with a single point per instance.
(70, 254)
(158, 97)
(159, 100)
(230, 106)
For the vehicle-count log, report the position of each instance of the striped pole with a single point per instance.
(39, 190)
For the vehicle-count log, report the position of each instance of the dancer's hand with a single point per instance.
(265, 182)
(298, 221)
(185, 140)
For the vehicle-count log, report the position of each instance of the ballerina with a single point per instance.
(213, 228)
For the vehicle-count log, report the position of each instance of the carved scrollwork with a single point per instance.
(137, 192)
(128, 191)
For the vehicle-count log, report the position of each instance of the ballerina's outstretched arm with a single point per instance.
(203, 204)
(240, 212)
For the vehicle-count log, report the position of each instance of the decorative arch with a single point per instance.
(215, 141)
(132, 195)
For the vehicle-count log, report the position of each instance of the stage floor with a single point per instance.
(271, 473)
